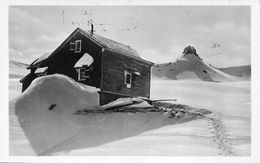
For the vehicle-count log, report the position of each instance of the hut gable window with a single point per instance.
(78, 46)
(128, 79)
(75, 46)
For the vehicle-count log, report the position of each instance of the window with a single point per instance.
(83, 73)
(128, 79)
(75, 46)
(78, 46)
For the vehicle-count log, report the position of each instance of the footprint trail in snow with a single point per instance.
(218, 129)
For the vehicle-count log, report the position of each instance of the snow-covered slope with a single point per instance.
(231, 101)
(46, 112)
(239, 71)
(17, 69)
(42, 121)
(189, 66)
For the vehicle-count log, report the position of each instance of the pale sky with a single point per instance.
(221, 35)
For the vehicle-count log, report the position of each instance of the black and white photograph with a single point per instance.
(131, 80)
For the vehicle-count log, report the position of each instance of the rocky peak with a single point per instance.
(189, 50)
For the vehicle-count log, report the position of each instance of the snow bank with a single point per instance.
(46, 113)
(190, 66)
(230, 98)
(45, 109)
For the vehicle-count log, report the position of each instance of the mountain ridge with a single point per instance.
(191, 66)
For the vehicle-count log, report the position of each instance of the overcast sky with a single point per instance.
(221, 35)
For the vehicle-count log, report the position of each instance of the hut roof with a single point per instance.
(105, 43)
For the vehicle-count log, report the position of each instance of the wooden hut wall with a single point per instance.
(113, 77)
(64, 60)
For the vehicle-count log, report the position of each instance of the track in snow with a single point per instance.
(216, 125)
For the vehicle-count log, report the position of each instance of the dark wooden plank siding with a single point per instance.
(113, 75)
(27, 80)
(65, 60)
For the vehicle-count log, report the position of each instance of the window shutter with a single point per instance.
(72, 46)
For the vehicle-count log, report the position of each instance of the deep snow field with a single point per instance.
(36, 130)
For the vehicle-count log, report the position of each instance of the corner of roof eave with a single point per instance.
(146, 60)
(126, 54)
(30, 66)
(151, 63)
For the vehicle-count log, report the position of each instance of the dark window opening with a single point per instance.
(83, 73)
(128, 79)
(78, 46)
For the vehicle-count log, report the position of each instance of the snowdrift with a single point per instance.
(46, 113)
(190, 66)
(45, 109)
(44, 122)
(17, 69)
(239, 71)
(231, 101)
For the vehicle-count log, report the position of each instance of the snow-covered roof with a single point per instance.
(86, 59)
(39, 60)
(41, 70)
(115, 46)
(43, 57)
